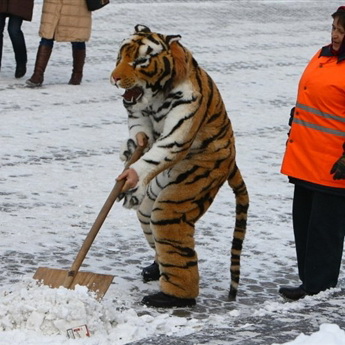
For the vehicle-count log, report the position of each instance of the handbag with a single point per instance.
(93, 5)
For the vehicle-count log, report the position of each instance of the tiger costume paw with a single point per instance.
(133, 197)
(127, 149)
(162, 300)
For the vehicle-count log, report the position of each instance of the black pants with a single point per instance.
(16, 35)
(319, 228)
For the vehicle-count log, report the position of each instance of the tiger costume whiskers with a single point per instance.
(191, 154)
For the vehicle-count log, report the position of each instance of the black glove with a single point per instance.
(338, 168)
(292, 113)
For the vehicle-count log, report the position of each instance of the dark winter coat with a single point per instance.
(20, 8)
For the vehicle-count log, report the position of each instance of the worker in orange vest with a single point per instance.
(314, 160)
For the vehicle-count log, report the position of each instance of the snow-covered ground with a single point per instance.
(59, 159)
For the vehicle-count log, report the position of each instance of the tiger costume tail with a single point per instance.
(239, 188)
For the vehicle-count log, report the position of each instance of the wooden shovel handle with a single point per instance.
(100, 219)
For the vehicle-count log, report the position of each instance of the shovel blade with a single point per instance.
(55, 278)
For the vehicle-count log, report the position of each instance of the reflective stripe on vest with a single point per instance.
(319, 128)
(320, 113)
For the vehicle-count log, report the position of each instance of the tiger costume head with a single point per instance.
(149, 63)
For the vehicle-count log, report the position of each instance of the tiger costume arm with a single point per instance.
(180, 129)
(137, 124)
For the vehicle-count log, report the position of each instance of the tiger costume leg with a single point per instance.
(146, 206)
(174, 202)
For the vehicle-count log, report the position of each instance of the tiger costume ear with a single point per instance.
(181, 58)
(142, 28)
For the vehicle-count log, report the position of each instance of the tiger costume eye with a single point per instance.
(140, 60)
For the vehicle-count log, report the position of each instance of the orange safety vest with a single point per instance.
(318, 128)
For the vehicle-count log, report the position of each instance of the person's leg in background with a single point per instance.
(301, 210)
(2, 27)
(18, 42)
(319, 228)
(79, 54)
(43, 55)
(325, 242)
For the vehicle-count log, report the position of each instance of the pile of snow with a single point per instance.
(329, 334)
(34, 314)
(270, 307)
(41, 315)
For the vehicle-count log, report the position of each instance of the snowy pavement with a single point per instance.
(59, 159)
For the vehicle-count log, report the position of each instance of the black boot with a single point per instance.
(162, 300)
(151, 273)
(78, 65)
(20, 70)
(21, 60)
(42, 58)
(293, 293)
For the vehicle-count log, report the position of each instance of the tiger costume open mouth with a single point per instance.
(133, 95)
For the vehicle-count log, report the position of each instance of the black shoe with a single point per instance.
(162, 300)
(151, 273)
(20, 71)
(293, 293)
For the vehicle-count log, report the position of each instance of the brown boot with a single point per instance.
(78, 65)
(42, 58)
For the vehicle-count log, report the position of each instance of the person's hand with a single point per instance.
(132, 192)
(141, 138)
(131, 179)
(129, 190)
(338, 169)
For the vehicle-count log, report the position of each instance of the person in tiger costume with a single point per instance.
(175, 104)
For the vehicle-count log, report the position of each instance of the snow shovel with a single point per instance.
(99, 283)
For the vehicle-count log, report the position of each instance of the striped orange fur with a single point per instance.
(191, 154)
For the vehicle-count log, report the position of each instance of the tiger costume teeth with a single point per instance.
(191, 153)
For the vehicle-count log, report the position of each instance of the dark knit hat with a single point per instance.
(339, 11)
